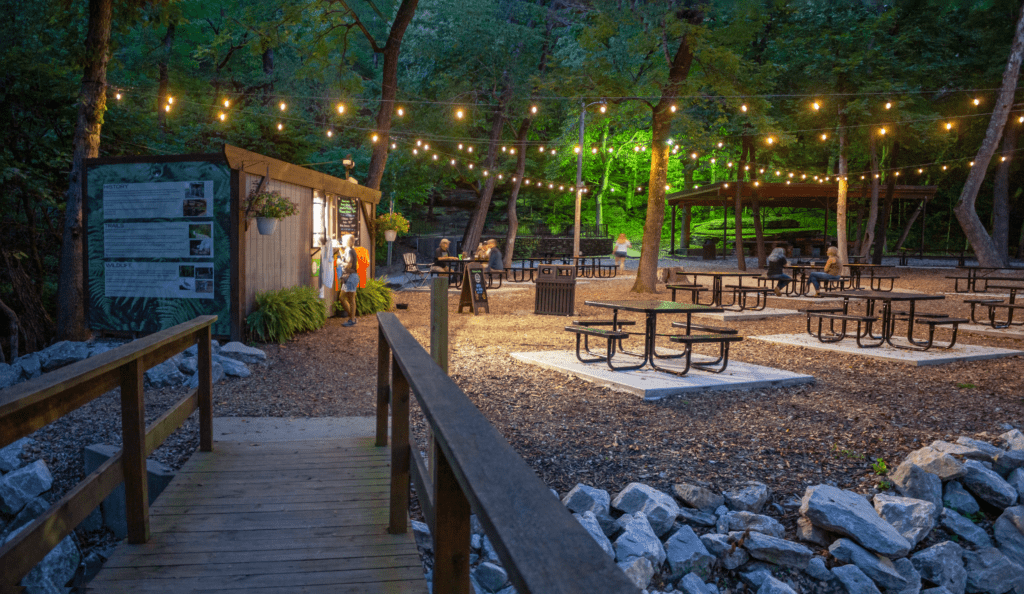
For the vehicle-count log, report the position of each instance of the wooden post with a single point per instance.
(451, 530)
(672, 241)
(439, 322)
(133, 432)
(399, 519)
(205, 390)
(383, 388)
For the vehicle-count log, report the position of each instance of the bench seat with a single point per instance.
(610, 335)
(1010, 308)
(709, 329)
(694, 289)
(822, 314)
(718, 365)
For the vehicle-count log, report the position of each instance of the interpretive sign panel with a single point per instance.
(157, 242)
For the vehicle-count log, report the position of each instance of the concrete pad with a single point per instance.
(1016, 332)
(748, 315)
(277, 429)
(655, 385)
(978, 295)
(848, 346)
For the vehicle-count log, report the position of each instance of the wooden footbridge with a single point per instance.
(303, 516)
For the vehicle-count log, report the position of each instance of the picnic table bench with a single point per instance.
(694, 290)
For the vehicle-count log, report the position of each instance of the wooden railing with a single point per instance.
(541, 546)
(35, 403)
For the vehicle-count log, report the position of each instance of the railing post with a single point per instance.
(205, 390)
(438, 342)
(399, 520)
(133, 432)
(383, 387)
(451, 529)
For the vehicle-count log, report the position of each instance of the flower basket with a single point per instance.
(266, 225)
(388, 225)
(390, 234)
(267, 208)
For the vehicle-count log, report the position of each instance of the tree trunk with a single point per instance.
(513, 218)
(608, 159)
(687, 221)
(762, 257)
(12, 330)
(1001, 195)
(162, 73)
(476, 222)
(869, 227)
(741, 168)
(844, 186)
(886, 211)
(92, 103)
(965, 209)
(737, 215)
(910, 223)
(388, 92)
(661, 128)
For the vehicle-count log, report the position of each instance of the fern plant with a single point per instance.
(375, 297)
(282, 314)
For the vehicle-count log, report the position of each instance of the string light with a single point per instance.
(170, 100)
(394, 146)
(761, 170)
(504, 149)
(824, 137)
(459, 114)
(949, 125)
(1020, 120)
(719, 145)
(280, 126)
(729, 165)
(977, 101)
(888, 105)
(636, 149)
(117, 96)
(712, 161)
(816, 106)
(533, 109)
(227, 103)
(693, 155)
(401, 112)
(552, 151)
(743, 108)
(283, 106)
(469, 148)
(222, 116)
(374, 138)
(415, 151)
(943, 167)
(881, 131)
(419, 143)
(771, 140)
(576, 150)
(594, 150)
(435, 156)
(512, 151)
(1002, 159)
(330, 134)
(470, 165)
(453, 161)
(541, 149)
(920, 171)
(673, 108)
(603, 108)
(167, 108)
(778, 173)
(726, 186)
(971, 164)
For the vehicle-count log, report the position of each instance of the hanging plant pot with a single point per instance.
(266, 225)
(390, 234)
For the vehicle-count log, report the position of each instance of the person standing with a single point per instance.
(622, 246)
(776, 262)
(348, 278)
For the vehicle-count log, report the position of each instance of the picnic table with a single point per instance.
(651, 309)
(454, 269)
(972, 274)
(889, 317)
(716, 283)
(857, 270)
(994, 305)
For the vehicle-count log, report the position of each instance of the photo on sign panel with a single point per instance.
(204, 286)
(196, 190)
(186, 271)
(200, 247)
(199, 231)
(193, 208)
(204, 272)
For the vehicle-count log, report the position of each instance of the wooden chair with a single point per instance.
(420, 271)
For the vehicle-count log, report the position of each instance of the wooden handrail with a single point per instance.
(32, 404)
(543, 548)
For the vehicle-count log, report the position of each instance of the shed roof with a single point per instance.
(257, 164)
(800, 195)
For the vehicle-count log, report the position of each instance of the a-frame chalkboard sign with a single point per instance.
(474, 289)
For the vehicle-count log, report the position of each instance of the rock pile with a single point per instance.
(22, 485)
(231, 360)
(930, 538)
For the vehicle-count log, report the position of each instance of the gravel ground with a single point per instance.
(571, 431)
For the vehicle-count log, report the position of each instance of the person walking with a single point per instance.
(348, 277)
(622, 246)
(831, 272)
(776, 262)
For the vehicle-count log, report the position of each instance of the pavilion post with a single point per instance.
(672, 241)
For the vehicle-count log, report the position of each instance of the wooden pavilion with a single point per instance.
(822, 196)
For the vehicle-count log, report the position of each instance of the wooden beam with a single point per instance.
(257, 164)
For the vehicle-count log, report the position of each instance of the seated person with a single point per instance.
(776, 262)
(441, 257)
(481, 252)
(832, 271)
(495, 263)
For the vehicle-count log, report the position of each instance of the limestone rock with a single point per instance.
(18, 487)
(232, 367)
(987, 485)
(245, 354)
(696, 518)
(854, 580)
(698, 497)
(10, 456)
(1016, 480)
(913, 481)
(32, 510)
(738, 521)
(188, 365)
(957, 498)
(62, 353)
(721, 546)
(963, 451)
(880, 569)
(756, 573)
(583, 498)
(9, 375)
(956, 524)
(989, 571)
(1005, 462)
(808, 532)
(776, 550)
(751, 497)
(687, 554)
(851, 515)
(639, 571)
(1009, 532)
(906, 568)
(774, 586)
(165, 374)
(661, 510)
(816, 569)
(639, 540)
(1013, 440)
(913, 518)
(942, 565)
(56, 568)
(216, 375)
(692, 584)
(942, 465)
(30, 364)
(492, 577)
(983, 450)
(589, 521)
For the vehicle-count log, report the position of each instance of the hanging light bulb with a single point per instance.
(401, 112)
(778, 173)
(949, 125)
(283, 106)
(460, 146)
(971, 164)
(882, 131)
(791, 174)
(719, 145)
(486, 172)
(426, 147)
(746, 168)
(1020, 120)
(729, 164)
(757, 183)
(117, 96)
(453, 161)
(533, 109)
(1002, 159)
(712, 161)
(603, 108)
(552, 151)
(435, 156)
(693, 155)
(787, 182)
(610, 149)
(673, 108)
(227, 103)
(341, 108)
(419, 143)
(743, 108)
(512, 151)
(393, 146)
(222, 116)
(551, 186)
(280, 126)
(771, 140)
(469, 148)
(816, 106)
(167, 108)
(726, 186)
(504, 149)
(500, 176)
(977, 101)
(170, 100)
(576, 150)
(888, 105)
(943, 167)
(541, 149)
(415, 151)
(667, 186)
(459, 114)
(804, 176)
(824, 136)
(636, 149)
(594, 150)
(330, 134)
(920, 170)
(470, 165)
(374, 138)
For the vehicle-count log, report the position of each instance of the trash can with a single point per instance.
(556, 290)
(708, 251)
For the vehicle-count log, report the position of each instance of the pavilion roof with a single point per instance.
(799, 195)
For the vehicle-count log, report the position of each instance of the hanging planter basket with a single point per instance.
(266, 225)
(390, 234)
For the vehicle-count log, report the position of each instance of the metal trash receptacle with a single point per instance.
(708, 250)
(556, 290)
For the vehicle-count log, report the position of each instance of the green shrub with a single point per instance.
(282, 314)
(376, 296)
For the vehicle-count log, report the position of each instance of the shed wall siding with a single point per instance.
(280, 260)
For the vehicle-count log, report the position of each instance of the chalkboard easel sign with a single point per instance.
(348, 217)
(474, 289)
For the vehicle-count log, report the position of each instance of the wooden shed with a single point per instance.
(167, 237)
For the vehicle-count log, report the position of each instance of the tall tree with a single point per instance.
(92, 103)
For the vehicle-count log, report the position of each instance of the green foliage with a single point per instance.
(271, 205)
(884, 485)
(389, 221)
(280, 315)
(966, 386)
(376, 296)
(880, 467)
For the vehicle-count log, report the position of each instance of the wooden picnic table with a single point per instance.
(652, 308)
(888, 317)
